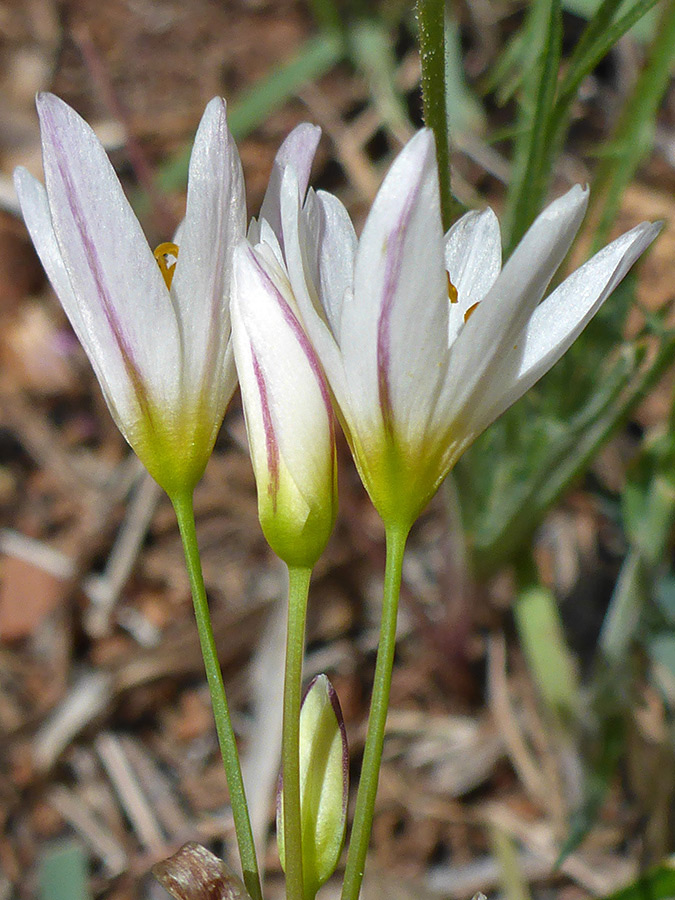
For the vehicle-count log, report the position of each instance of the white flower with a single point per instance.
(424, 337)
(287, 404)
(158, 339)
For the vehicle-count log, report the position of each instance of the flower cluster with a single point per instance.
(424, 338)
(418, 339)
(414, 340)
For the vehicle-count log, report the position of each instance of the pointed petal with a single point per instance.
(394, 332)
(499, 319)
(558, 322)
(301, 265)
(328, 219)
(35, 209)
(215, 221)
(286, 399)
(296, 152)
(106, 361)
(473, 260)
(120, 291)
(269, 239)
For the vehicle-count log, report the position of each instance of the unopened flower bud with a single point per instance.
(324, 785)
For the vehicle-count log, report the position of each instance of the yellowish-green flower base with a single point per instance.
(296, 531)
(175, 451)
(400, 480)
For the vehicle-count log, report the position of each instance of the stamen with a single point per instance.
(167, 257)
(470, 311)
(452, 290)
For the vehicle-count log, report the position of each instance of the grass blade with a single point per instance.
(529, 181)
(317, 56)
(565, 462)
(635, 131)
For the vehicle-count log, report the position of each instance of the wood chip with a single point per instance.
(130, 793)
(86, 699)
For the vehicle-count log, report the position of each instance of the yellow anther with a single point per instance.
(452, 290)
(167, 257)
(470, 311)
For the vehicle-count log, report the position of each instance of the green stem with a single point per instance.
(182, 503)
(431, 21)
(372, 754)
(298, 589)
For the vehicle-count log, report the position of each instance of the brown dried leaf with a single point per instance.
(194, 873)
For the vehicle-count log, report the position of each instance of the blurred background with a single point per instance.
(530, 748)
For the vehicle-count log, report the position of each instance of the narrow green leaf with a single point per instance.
(649, 515)
(599, 17)
(597, 40)
(599, 36)
(528, 181)
(548, 657)
(372, 52)
(608, 36)
(577, 69)
(317, 56)
(635, 131)
(625, 608)
(499, 539)
(463, 108)
(642, 31)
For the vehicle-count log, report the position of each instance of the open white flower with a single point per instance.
(287, 403)
(158, 339)
(424, 337)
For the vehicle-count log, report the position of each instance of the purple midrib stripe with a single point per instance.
(96, 270)
(217, 300)
(394, 261)
(271, 444)
(302, 339)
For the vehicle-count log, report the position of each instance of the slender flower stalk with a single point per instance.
(156, 328)
(226, 738)
(290, 747)
(377, 719)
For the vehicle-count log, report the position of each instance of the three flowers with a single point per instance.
(418, 339)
